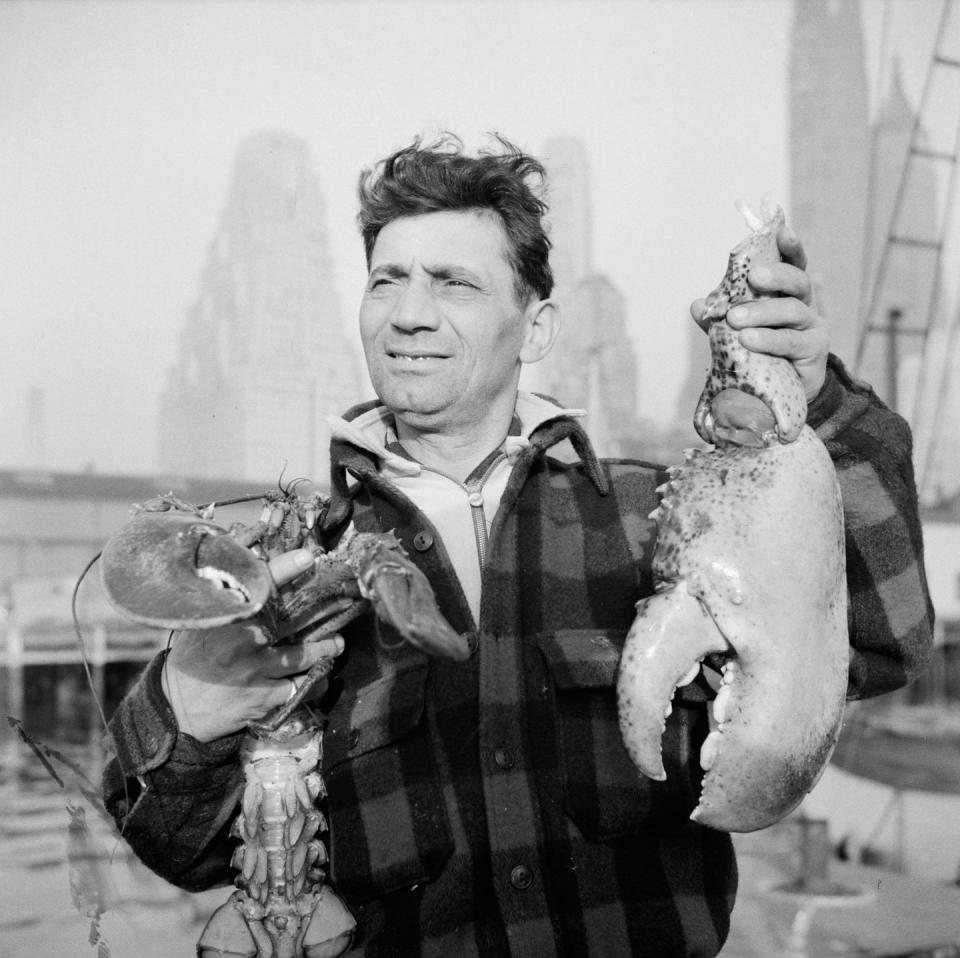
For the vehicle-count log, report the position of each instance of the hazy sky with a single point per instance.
(119, 123)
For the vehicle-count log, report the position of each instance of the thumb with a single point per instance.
(697, 309)
(286, 567)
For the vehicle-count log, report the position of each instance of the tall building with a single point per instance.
(829, 154)
(569, 217)
(263, 353)
(593, 364)
(829, 171)
(845, 175)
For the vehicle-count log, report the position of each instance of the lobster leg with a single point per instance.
(280, 715)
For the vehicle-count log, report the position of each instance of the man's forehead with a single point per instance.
(443, 238)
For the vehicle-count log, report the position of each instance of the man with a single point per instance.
(488, 808)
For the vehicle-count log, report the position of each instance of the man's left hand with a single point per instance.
(783, 322)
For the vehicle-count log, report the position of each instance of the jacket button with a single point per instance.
(504, 758)
(521, 877)
(473, 642)
(353, 739)
(422, 541)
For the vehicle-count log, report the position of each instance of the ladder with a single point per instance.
(885, 332)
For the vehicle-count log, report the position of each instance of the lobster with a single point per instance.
(171, 566)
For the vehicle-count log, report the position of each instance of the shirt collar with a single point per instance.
(375, 431)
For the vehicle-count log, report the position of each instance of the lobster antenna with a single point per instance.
(83, 651)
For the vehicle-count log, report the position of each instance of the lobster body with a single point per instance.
(282, 908)
(172, 567)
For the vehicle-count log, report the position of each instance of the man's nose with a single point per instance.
(416, 308)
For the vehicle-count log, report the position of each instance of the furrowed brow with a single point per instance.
(391, 271)
(443, 271)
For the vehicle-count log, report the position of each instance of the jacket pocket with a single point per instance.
(388, 827)
(605, 793)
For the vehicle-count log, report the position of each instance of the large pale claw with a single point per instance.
(174, 570)
(755, 538)
(671, 633)
(402, 596)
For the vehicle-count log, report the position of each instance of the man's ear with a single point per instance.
(542, 324)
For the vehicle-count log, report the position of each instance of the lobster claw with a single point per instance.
(175, 570)
(402, 596)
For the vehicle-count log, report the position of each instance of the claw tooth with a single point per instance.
(709, 750)
(721, 704)
(689, 676)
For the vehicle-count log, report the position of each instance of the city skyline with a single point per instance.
(116, 154)
(263, 352)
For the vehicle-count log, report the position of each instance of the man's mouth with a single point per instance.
(413, 357)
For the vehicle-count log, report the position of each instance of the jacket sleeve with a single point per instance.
(890, 612)
(172, 797)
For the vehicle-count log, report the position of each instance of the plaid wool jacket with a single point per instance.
(488, 808)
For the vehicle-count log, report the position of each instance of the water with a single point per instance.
(52, 891)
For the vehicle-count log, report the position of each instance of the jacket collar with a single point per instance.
(360, 439)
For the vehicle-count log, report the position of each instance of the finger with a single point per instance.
(791, 249)
(789, 343)
(326, 648)
(777, 313)
(697, 309)
(285, 660)
(781, 279)
(286, 567)
(284, 690)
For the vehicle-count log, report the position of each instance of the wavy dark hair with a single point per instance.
(440, 176)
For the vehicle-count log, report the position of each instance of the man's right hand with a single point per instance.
(220, 680)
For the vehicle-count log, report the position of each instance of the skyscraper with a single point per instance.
(830, 158)
(593, 364)
(569, 217)
(263, 352)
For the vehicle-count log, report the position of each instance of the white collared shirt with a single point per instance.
(461, 512)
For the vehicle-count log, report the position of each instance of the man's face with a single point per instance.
(441, 325)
